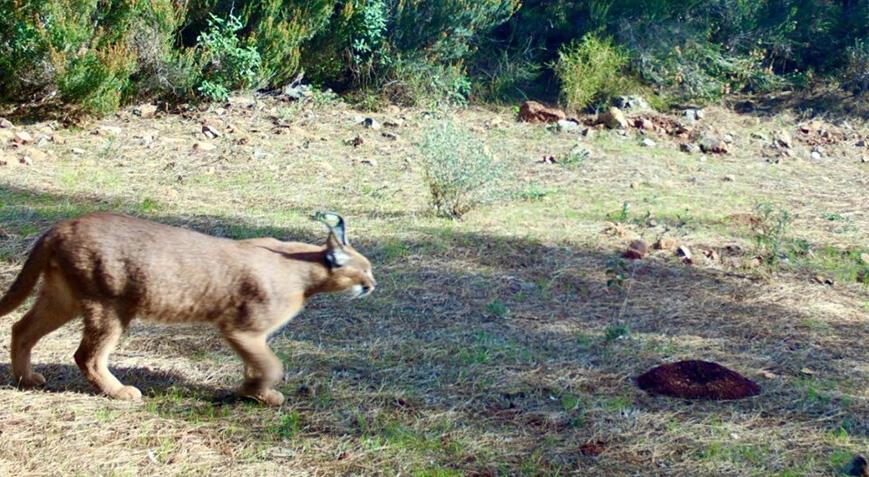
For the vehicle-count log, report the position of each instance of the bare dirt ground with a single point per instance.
(503, 344)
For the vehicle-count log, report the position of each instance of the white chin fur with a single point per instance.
(356, 291)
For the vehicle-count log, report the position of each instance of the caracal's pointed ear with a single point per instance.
(336, 256)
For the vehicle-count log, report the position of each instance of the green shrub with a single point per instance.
(591, 71)
(459, 170)
(278, 29)
(427, 84)
(771, 231)
(88, 52)
(227, 65)
(415, 49)
(505, 77)
(97, 80)
(163, 69)
(684, 64)
(855, 74)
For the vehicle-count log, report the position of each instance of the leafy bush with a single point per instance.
(771, 231)
(97, 80)
(279, 28)
(89, 52)
(855, 75)
(696, 68)
(505, 77)
(590, 71)
(415, 50)
(427, 84)
(227, 64)
(459, 170)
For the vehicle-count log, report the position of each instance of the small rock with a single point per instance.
(77, 151)
(115, 130)
(811, 127)
(760, 136)
(816, 155)
(648, 143)
(614, 118)
(865, 258)
(203, 146)
(685, 253)
(145, 111)
(711, 254)
(36, 155)
(784, 139)
(746, 106)
(807, 371)
(355, 141)
(689, 148)
(766, 374)
(860, 143)
(822, 280)
(864, 159)
(5, 123)
(390, 136)
(27, 161)
(631, 103)
(592, 448)
(4, 161)
(728, 179)
(666, 243)
(534, 112)
(22, 137)
(636, 250)
(397, 123)
(728, 139)
(713, 145)
(369, 162)
(371, 123)
(645, 124)
(693, 115)
(568, 126)
(210, 132)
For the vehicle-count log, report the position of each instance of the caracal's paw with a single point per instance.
(34, 380)
(269, 397)
(127, 393)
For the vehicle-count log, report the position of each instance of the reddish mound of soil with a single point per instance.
(697, 380)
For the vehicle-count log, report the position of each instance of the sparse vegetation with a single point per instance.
(591, 72)
(771, 231)
(460, 171)
(228, 66)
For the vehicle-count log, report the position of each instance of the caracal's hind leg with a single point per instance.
(263, 370)
(103, 327)
(53, 308)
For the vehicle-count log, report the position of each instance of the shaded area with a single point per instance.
(828, 102)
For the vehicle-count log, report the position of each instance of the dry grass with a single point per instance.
(493, 345)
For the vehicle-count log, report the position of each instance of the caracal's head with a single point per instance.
(349, 271)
